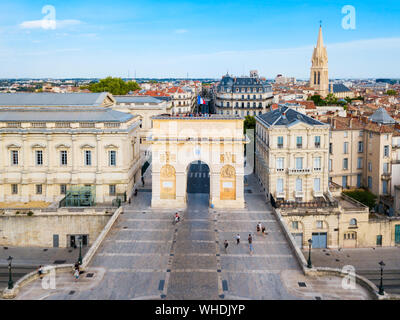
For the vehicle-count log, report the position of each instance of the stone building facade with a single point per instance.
(292, 155)
(54, 141)
(296, 180)
(217, 141)
(243, 96)
(366, 153)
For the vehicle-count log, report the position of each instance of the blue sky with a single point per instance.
(202, 38)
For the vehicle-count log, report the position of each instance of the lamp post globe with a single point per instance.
(309, 264)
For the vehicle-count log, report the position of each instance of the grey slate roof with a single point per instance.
(243, 82)
(52, 99)
(339, 88)
(58, 115)
(285, 116)
(137, 99)
(381, 116)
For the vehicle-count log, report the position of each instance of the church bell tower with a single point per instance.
(319, 79)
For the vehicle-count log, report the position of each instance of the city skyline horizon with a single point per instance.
(170, 39)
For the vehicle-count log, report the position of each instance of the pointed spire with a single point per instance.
(320, 42)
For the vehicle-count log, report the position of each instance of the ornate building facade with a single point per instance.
(243, 96)
(292, 155)
(216, 141)
(52, 142)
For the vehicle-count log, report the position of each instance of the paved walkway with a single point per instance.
(146, 256)
(365, 261)
(26, 260)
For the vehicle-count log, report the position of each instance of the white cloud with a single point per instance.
(49, 24)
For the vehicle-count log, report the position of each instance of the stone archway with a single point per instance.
(217, 141)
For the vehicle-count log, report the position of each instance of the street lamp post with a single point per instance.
(80, 250)
(10, 281)
(309, 264)
(381, 289)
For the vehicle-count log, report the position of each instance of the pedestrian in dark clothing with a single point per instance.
(226, 244)
(40, 272)
(263, 230)
(143, 181)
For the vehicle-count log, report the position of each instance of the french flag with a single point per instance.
(200, 100)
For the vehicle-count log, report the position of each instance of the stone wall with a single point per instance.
(38, 229)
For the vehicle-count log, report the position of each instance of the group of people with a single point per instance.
(260, 228)
(199, 114)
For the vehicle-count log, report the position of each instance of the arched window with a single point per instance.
(353, 222)
(315, 77)
(319, 77)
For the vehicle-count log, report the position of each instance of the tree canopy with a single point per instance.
(364, 196)
(391, 92)
(249, 123)
(115, 86)
(330, 100)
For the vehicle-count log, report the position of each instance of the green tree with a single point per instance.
(318, 101)
(391, 92)
(249, 123)
(364, 196)
(115, 86)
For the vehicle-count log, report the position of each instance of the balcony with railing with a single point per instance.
(299, 194)
(280, 194)
(386, 176)
(299, 171)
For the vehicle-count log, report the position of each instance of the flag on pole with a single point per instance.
(200, 100)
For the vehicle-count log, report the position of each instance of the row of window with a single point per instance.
(299, 185)
(320, 224)
(243, 90)
(112, 157)
(386, 149)
(359, 165)
(63, 189)
(280, 163)
(345, 184)
(249, 113)
(299, 142)
(248, 105)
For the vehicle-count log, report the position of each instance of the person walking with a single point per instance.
(259, 227)
(76, 274)
(250, 239)
(40, 272)
(263, 231)
(237, 239)
(226, 244)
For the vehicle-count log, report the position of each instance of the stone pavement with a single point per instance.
(26, 260)
(146, 256)
(39, 256)
(365, 261)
